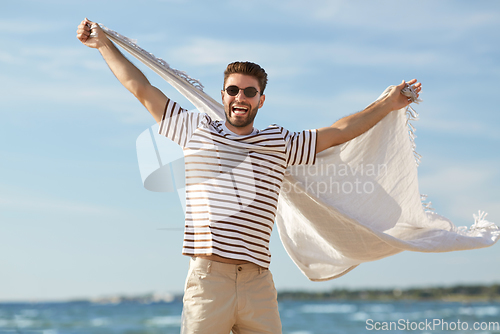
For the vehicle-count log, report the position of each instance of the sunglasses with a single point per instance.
(234, 90)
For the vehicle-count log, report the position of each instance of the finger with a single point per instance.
(89, 23)
(82, 34)
(83, 29)
(82, 37)
(412, 81)
(85, 23)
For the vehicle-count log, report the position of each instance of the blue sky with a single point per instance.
(75, 220)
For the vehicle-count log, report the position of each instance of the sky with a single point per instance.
(75, 219)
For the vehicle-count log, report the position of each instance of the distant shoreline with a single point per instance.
(457, 293)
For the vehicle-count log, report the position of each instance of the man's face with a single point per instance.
(241, 110)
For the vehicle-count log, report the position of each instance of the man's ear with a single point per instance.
(261, 101)
(222, 95)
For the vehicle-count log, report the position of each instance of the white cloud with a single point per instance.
(205, 51)
(66, 96)
(459, 188)
(172, 1)
(390, 16)
(41, 203)
(326, 105)
(27, 26)
(460, 177)
(55, 62)
(8, 58)
(465, 127)
(214, 52)
(151, 37)
(319, 10)
(290, 57)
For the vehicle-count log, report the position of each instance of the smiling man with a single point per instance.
(241, 104)
(234, 174)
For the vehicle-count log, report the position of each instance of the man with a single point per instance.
(234, 174)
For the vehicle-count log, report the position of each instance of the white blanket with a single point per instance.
(359, 203)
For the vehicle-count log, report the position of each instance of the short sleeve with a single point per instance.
(301, 147)
(178, 124)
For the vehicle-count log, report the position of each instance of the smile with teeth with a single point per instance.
(240, 110)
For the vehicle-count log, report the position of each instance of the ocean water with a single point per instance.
(298, 317)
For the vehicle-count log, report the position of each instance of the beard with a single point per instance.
(240, 122)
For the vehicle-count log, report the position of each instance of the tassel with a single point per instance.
(427, 205)
(412, 115)
(481, 224)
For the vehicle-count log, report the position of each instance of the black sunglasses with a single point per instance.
(234, 90)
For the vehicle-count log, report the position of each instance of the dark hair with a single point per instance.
(247, 68)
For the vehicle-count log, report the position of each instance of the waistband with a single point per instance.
(226, 267)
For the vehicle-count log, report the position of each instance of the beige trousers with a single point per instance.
(220, 297)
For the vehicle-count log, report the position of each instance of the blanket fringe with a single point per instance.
(481, 224)
(427, 205)
(412, 115)
(132, 43)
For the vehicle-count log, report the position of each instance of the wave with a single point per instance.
(164, 321)
(328, 308)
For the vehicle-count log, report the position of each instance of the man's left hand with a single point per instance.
(398, 100)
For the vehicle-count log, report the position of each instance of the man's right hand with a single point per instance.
(126, 72)
(88, 27)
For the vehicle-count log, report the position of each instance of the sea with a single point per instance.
(298, 317)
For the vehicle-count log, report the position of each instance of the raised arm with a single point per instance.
(129, 75)
(356, 124)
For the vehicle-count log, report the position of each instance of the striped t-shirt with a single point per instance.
(232, 182)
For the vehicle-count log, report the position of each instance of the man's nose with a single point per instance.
(240, 96)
